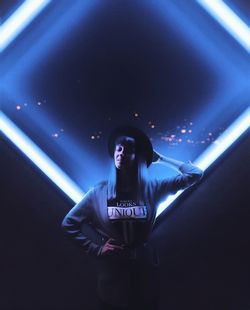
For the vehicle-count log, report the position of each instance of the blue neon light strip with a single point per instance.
(214, 151)
(225, 140)
(39, 158)
(20, 19)
(229, 20)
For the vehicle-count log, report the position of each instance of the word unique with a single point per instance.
(135, 212)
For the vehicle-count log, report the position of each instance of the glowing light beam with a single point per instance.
(39, 158)
(20, 19)
(229, 20)
(224, 141)
(214, 151)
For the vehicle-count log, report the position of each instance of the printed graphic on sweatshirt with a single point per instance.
(129, 219)
(125, 210)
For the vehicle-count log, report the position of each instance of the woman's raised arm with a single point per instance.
(189, 174)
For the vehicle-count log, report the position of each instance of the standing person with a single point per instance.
(123, 211)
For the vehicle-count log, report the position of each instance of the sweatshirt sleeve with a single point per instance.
(81, 214)
(188, 176)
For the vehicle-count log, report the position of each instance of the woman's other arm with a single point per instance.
(81, 214)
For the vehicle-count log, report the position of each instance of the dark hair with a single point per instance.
(141, 175)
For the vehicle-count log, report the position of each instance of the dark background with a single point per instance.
(107, 72)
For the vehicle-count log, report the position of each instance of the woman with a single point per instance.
(123, 210)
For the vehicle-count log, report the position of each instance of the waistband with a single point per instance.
(145, 252)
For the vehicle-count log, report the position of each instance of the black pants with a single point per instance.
(128, 284)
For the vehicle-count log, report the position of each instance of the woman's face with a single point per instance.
(124, 153)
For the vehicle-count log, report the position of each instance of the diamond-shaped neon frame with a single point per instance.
(30, 9)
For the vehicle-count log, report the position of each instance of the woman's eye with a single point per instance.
(118, 148)
(127, 149)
